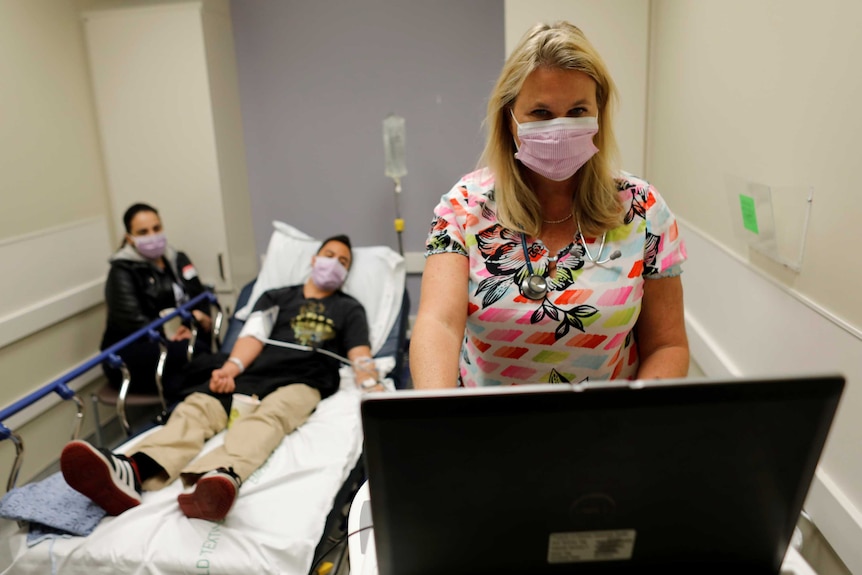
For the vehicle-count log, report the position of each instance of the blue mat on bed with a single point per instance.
(52, 508)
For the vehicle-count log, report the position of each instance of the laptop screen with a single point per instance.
(683, 476)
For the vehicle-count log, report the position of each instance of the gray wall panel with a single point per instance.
(317, 79)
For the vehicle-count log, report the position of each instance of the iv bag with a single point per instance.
(393, 146)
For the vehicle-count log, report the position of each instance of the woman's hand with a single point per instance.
(182, 333)
(204, 321)
(222, 379)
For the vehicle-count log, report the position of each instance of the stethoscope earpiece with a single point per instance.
(597, 260)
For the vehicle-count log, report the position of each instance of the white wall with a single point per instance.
(50, 165)
(619, 31)
(54, 225)
(740, 331)
(230, 144)
(151, 89)
(61, 271)
(769, 92)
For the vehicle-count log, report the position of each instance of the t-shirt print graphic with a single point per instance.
(311, 326)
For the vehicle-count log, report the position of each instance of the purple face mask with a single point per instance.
(152, 246)
(557, 148)
(328, 273)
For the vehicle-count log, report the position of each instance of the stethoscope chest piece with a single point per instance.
(534, 286)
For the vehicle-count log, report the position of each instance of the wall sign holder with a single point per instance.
(771, 220)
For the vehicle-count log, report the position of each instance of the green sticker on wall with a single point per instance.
(749, 213)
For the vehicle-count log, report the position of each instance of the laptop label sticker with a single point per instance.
(584, 546)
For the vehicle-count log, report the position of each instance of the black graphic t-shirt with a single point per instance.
(336, 323)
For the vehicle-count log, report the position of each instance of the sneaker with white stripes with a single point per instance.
(109, 479)
(213, 495)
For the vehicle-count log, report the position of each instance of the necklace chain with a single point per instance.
(567, 218)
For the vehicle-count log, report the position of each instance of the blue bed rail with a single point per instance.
(59, 385)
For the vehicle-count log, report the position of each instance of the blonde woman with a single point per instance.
(548, 264)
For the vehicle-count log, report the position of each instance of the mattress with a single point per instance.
(274, 527)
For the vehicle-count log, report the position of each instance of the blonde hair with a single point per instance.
(596, 203)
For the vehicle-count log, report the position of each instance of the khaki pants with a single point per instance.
(247, 444)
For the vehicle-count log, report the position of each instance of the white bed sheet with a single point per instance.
(274, 527)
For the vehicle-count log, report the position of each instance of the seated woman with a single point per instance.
(148, 276)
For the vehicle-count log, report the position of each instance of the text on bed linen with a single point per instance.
(208, 547)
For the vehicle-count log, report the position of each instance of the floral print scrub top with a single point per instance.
(582, 329)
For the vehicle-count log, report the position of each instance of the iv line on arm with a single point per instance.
(259, 325)
(301, 347)
(363, 363)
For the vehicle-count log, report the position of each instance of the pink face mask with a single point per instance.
(557, 148)
(152, 246)
(328, 273)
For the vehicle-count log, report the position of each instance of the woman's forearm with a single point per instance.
(434, 353)
(667, 362)
(435, 344)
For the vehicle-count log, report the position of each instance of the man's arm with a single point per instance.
(363, 366)
(248, 346)
(245, 351)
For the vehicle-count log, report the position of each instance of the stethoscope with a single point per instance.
(535, 286)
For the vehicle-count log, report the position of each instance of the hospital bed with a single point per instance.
(278, 522)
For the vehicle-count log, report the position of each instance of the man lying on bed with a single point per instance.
(316, 313)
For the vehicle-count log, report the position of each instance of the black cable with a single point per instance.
(336, 565)
(316, 564)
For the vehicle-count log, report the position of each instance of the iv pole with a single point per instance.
(399, 221)
(395, 168)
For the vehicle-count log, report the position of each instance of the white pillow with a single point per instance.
(376, 277)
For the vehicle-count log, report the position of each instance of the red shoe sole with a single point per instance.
(211, 499)
(87, 473)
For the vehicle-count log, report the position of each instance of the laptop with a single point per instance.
(683, 476)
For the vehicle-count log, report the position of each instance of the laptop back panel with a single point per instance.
(679, 476)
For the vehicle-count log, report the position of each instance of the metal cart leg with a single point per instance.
(99, 439)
